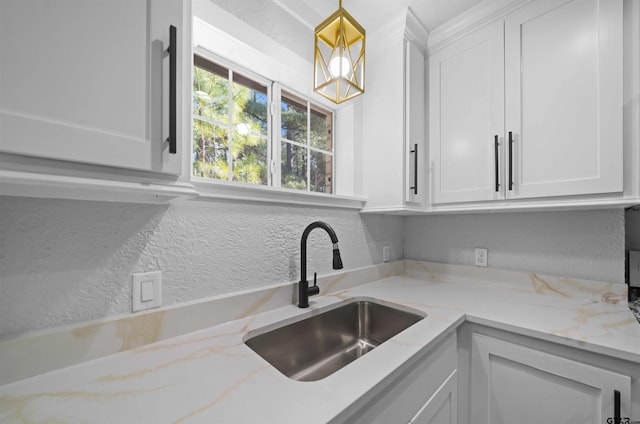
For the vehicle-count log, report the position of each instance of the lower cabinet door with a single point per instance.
(432, 379)
(442, 407)
(511, 383)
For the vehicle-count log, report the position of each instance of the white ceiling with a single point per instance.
(431, 13)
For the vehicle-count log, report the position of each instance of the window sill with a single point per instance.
(208, 189)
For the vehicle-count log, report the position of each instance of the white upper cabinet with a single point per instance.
(466, 98)
(530, 106)
(88, 81)
(563, 80)
(394, 133)
(414, 114)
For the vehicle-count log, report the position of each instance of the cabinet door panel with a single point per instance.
(406, 395)
(512, 383)
(563, 64)
(414, 124)
(442, 407)
(466, 110)
(75, 81)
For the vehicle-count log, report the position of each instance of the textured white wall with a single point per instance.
(67, 261)
(275, 22)
(580, 244)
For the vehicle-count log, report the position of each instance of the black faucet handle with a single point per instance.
(314, 290)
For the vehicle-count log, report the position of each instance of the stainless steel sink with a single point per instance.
(318, 346)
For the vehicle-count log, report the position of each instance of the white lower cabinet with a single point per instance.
(442, 407)
(511, 378)
(426, 392)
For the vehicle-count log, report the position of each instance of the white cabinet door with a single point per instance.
(466, 107)
(415, 176)
(432, 378)
(87, 81)
(511, 383)
(442, 407)
(563, 64)
(393, 112)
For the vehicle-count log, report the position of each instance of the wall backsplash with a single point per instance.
(579, 244)
(64, 262)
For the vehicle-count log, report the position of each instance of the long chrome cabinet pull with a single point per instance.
(616, 407)
(510, 161)
(495, 145)
(173, 88)
(415, 169)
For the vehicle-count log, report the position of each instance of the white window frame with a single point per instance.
(274, 133)
(233, 69)
(278, 139)
(223, 35)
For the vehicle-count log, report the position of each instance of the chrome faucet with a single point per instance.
(304, 291)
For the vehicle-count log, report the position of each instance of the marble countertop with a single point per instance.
(210, 375)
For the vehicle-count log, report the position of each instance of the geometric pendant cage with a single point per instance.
(339, 57)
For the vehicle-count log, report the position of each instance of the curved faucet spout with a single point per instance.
(304, 291)
(319, 224)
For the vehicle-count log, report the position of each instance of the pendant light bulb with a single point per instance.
(339, 67)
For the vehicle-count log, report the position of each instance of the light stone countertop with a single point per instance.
(211, 376)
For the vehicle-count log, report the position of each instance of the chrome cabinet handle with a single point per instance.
(415, 169)
(173, 88)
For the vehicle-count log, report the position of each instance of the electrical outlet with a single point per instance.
(146, 290)
(482, 256)
(385, 253)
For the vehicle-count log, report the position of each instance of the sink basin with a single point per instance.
(318, 346)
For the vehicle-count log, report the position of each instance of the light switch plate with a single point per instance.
(146, 290)
(634, 269)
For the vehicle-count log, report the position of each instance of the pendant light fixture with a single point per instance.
(339, 57)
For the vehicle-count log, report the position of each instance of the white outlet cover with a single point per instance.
(146, 290)
(385, 253)
(482, 256)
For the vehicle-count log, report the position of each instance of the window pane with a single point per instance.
(210, 150)
(321, 129)
(250, 106)
(294, 166)
(249, 158)
(293, 119)
(321, 172)
(210, 95)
